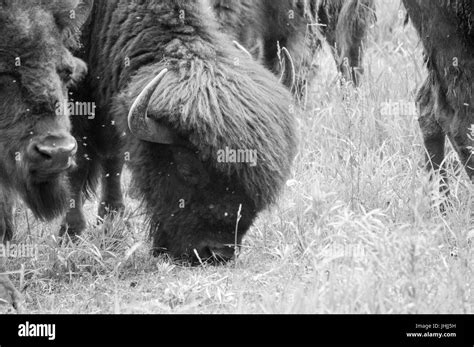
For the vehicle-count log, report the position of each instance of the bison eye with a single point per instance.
(65, 74)
(7, 79)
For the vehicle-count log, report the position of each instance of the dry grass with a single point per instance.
(356, 230)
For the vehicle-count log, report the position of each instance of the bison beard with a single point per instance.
(49, 199)
(446, 99)
(213, 97)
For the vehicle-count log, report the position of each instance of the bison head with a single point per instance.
(200, 213)
(212, 144)
(36, 68)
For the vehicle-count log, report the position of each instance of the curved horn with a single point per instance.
(288, 76)
(242, 48)
(141, 125)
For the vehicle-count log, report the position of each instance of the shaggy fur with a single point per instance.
(242, 20)
(213, 97)
(446, 99)
(299, 25)
(36, 36)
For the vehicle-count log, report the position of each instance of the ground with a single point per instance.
(357, 228)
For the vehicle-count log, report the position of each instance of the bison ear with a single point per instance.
(72, 19)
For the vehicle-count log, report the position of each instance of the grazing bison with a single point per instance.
(446, 99)
(208, 133)
(264, 26)
(36, 146)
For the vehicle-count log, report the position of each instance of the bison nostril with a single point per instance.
(42, 152)
(54, 151)
(203, 253)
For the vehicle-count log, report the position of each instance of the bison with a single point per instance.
(208, 133)
(264, 27)
(36, 146)
(446, 100)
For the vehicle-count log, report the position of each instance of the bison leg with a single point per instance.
(8, 293)
(457, 123)
(348, 56)
(74, 223)
(433, 134)
(351, 68)
(112, 200)
(346, 32)
(85, 178)
(459, 134)
(6, 216)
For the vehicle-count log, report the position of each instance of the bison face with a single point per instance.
(195, 208)
(36, 68)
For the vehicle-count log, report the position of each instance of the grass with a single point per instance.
(355, 231)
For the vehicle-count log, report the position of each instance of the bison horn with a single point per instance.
(288, 76)
(143, 127)
(242, 48)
